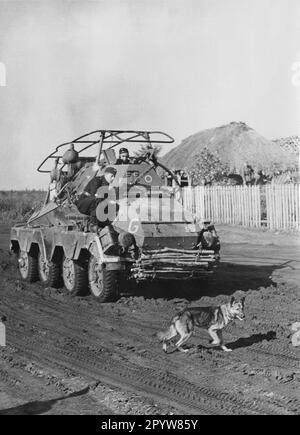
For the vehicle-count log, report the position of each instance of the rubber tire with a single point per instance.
(80, 286)
(110, 286)
(55, 279)
(110, 283)
(32, 275)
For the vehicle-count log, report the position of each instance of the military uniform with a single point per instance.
(88, 202)
(121, 162)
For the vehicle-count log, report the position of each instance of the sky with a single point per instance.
(179, 66)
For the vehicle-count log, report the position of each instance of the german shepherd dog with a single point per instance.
(213, 319)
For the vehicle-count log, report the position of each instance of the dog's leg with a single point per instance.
(212, 332)
(223, 347)
(165, 345)
(181, 341)
(171, 333)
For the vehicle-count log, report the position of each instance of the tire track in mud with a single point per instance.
(74, 332)
(162, 385)
(276, 352)
(87, 360)
(63, 332)
(64, 319)
(64, 335)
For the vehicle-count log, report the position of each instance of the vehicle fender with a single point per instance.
(27, 238)
(111, 262)
(67, 241)
(96, 250)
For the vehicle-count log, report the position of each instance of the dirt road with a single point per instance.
(72, 355)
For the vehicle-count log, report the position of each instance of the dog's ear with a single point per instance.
(243, 301)
(232, 300)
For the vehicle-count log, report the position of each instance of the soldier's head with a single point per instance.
(110, 174)
(124, 155)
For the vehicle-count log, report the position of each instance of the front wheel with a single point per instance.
(103, 282)
(75, 277)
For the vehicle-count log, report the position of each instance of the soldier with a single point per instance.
(88, 200)
(123, 157)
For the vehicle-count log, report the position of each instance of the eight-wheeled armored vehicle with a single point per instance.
(150, 237)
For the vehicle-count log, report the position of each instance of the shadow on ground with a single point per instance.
(227, 280)
(253, 339)
(40, 407)
(238, 344)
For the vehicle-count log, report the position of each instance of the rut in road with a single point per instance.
(52, 333)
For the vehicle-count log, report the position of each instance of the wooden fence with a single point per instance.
(282, 206)
(274, 206)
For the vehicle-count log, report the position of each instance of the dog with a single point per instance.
(213, 319)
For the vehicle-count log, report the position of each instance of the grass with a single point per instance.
(17, 206)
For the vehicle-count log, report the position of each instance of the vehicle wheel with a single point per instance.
(75, 277)
(28, 266)
(49, 272)
(103, 282)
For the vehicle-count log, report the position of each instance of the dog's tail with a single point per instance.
(168, 333)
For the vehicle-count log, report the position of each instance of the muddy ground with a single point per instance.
(73, 356)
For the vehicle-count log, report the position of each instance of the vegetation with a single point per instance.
(144, 149)
(18, 205)
(208, 169)
(290, 144)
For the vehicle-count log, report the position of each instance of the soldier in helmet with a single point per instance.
(123, 157)
(89, 201)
